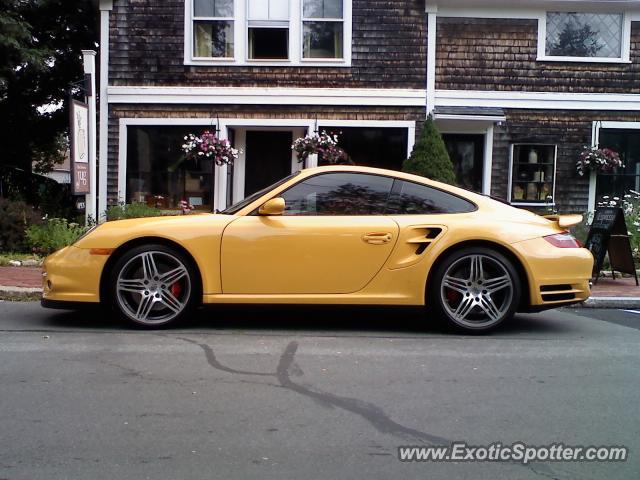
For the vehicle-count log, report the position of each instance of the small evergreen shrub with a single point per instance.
(53, 234)
(132, 210)
(429, 157)
(15, 217)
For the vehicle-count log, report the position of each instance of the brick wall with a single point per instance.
(389, 50)
(500, 54)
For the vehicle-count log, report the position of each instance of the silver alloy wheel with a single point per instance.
(477, 291)
(153, 287)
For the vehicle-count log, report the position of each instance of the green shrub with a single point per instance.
(15, 217)
(53, 234)
(429, 157)
(132, 210)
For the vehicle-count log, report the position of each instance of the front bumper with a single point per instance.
(72, 275)
(556, 276)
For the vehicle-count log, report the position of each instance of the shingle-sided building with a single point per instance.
(517, 88)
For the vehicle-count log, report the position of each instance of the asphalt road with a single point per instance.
(309, 393)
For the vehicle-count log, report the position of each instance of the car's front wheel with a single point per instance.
(153, 286)
(475, 289)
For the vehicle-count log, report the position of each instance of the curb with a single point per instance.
(20, 293)
(611, 302)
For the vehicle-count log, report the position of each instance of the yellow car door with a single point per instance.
(332, 239)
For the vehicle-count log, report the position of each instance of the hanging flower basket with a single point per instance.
(600, 160)
(324, 145)
(209, 146)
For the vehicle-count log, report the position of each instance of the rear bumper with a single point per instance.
(557, 277)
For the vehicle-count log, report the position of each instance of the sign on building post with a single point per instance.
(79, 148)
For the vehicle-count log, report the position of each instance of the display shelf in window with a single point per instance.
(532, 174)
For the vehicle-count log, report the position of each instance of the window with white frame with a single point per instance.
(322, 29)
(583, 35)
(533, 174)
(213, 26)
(268, 32)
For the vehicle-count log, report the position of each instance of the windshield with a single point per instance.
(236, 207)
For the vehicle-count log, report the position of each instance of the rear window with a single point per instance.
(408, 198)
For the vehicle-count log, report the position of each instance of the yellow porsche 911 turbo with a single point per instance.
(331, 235)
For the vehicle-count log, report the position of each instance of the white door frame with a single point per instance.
(474, 127)
(596, 126)
(238, 181)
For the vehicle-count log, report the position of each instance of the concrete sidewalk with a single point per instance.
(606, 293)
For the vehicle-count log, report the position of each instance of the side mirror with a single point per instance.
(275, 206)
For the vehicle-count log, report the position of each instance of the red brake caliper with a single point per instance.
(452, 296)
(176, 289)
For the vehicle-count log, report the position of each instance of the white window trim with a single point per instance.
(328, 20)
(626, 44)
(469, 125)
(555, 174)
(239, 166)
(240, 38)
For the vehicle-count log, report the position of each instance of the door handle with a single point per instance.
(376, 238)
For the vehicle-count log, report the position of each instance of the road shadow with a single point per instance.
(311, 319)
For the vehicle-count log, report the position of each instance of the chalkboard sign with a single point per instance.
(608, 234)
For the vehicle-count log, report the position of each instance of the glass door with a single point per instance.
(467, 155)
(627, 143)
(267, 158)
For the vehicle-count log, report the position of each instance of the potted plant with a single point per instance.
(599, 160)
(323, 145)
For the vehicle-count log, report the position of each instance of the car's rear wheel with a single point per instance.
(475, 289)
(153, 286)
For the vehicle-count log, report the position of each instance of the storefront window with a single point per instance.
(627, 143)
(372, 147)
(157, 173)
(533, 174)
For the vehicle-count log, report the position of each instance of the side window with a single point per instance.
(414, 199)
(339, 194)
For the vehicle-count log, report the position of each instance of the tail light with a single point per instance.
(563, 240)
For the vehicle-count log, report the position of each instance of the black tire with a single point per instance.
(153, 286)
(474, 290)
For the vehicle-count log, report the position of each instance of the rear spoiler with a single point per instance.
(565, 221)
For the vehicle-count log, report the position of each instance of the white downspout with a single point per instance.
(105, 7)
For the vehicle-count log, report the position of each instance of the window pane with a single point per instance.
(322, 9)
(339, 194)
(584, 34)
(213, 39)
(213, 8)
(322, 40)
(621, 180)
(268, 9)
(467, 156)
(268, 43)
(533, 172)
(415, 199)
(157, 174)
(371, 147)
